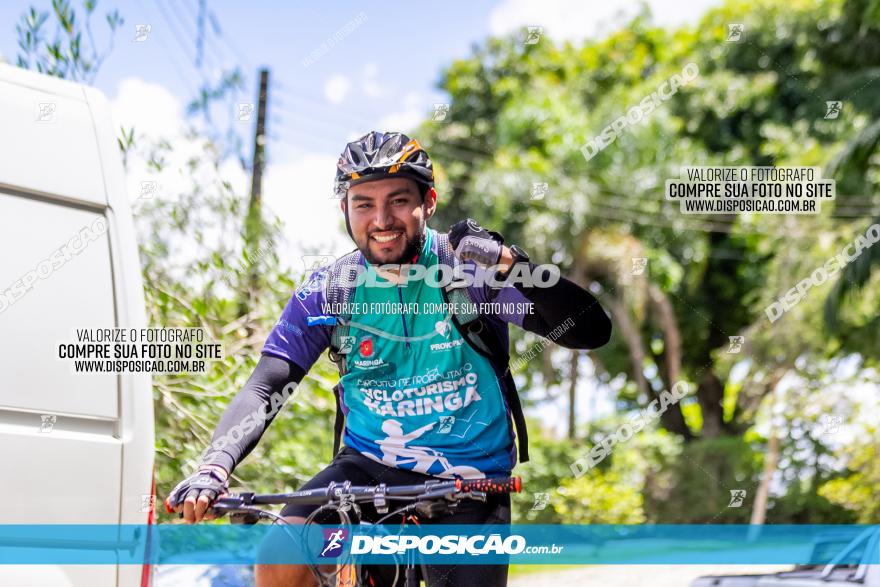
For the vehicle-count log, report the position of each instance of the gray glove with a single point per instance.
(472, 241)
(204, 482)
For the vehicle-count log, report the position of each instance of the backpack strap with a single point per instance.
(475, 328)
(519, 418)
(339, 420)
(340, 289)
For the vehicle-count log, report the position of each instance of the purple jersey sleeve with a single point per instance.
(292, 338)
(511, 304)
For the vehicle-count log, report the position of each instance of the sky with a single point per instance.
(379, 70)
(337, 70)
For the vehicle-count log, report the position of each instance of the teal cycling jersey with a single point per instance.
(416, 394)
(422, 399)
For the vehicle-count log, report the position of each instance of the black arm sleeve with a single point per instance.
(251, 411)
(555, 304)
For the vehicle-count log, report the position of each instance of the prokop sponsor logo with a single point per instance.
(451, 544)
(478, 243)
(445, 346)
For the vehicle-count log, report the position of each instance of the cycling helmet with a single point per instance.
(378, 155)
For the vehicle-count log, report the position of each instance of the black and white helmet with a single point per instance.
(378, 155)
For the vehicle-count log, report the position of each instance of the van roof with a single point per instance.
(60, 143)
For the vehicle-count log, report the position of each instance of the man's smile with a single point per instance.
(386, 236)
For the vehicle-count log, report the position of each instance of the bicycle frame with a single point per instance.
(425, 500)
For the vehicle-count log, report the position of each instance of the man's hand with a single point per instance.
(195, 494)
(472, 241)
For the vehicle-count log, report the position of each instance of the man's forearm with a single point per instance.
(553, 306)
(251, 411)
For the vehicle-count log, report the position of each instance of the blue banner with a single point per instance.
(432, 544)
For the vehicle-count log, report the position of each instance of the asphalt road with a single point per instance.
(589, 576)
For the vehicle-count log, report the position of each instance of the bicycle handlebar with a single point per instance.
(499, 485)
(321, 495)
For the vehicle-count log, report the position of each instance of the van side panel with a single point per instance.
(63, 476)
(65, 263)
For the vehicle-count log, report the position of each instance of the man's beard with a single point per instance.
(410, 251)
(413, 246)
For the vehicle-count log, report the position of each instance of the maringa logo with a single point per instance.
(366, 347)
(334, 541)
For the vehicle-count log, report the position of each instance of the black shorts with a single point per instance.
(350, 465)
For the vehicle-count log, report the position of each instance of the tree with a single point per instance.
(69, 54)
(858, 491)
(520, 114)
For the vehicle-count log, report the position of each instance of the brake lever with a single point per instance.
(237, 514)
(475, 495)
(247, 518)
(211, 511)
(432, 509)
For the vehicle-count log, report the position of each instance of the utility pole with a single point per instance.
(253, 225)
(260, 142)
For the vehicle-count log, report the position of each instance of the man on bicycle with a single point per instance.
(404, 371)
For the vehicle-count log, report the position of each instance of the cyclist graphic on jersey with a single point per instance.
(395, 452)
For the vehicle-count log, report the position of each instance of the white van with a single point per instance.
(77, 448)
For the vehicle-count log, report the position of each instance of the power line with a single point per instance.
(320, 126)
(173, 27)
(203, 14)
(288, 100)
(229, 43)
(842, 212)
(619, 214)
(187, 81)
(200, 34)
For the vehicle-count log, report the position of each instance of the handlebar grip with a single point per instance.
(497, 485)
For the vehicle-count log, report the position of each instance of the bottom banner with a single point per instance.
(439, 544)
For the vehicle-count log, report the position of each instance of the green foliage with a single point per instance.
(859, 489)
(521, 113)
(549, 465)
(72, 52)
(197, 271)
(802, 505)
(600, 498)
(694, 486)
(850, 309)
(610, 493)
